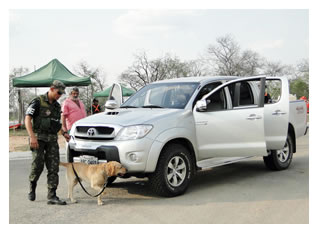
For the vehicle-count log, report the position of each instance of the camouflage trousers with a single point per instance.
(48, 154)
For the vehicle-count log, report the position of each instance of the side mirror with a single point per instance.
(111, 104)
(201, 106)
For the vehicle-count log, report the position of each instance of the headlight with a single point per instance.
(133, 132)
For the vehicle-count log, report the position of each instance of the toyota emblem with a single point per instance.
(91, 132)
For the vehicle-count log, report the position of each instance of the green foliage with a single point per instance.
(300, 88)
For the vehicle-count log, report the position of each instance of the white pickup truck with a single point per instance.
(170, 129)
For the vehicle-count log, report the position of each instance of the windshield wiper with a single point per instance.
(152, 106)
(128, 106)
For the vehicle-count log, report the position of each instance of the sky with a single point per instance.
(109, 38)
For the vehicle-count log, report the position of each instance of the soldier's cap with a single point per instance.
(59, 85)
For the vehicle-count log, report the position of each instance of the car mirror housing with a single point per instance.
(111, 104)
(201, 106)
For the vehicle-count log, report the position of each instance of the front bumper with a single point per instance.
(109, 153)
(132, 154)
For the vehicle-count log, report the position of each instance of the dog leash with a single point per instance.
(104, 186)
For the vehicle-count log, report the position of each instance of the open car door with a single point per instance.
(230, 120)
(276, 112)
(115, 98)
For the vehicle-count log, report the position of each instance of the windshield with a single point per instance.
(162, 95)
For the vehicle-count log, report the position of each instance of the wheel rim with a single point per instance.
(283, 154)
(177, 170)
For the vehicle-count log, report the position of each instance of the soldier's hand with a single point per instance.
(67, 137)
(34, 142)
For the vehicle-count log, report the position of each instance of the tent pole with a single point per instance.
(88, 97)
(20, 107)
(91, 101)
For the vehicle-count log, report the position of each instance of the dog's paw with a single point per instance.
(74, 201)
(100, 203)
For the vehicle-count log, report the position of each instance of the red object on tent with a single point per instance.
(15, 126)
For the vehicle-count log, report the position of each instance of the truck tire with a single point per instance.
(278, 160)
(174, 171)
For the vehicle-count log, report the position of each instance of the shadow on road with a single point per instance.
(240, 182)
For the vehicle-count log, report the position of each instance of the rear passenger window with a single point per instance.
(241, 94)
(272, 92)
(246, 97)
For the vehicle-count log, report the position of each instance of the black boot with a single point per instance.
(53, 199)
(32, 193)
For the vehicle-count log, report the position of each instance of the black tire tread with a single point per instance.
(271, 161)
(156, 181)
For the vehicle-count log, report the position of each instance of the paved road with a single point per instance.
(245, 192)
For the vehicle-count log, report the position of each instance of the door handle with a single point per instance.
(278, 112)
(202, 123)
(254, 117)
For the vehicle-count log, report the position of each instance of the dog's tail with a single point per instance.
(65, 164)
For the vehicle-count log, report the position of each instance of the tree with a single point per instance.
(300, 88)
(300, 83)
(276, 68)
(97, 78)
(226, 58)
(144, 70)
(250, 63)
(303, 70)
(17, 105)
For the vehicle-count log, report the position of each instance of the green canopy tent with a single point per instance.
(44, 76)
(106, 92)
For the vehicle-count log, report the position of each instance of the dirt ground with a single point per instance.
(21, 143)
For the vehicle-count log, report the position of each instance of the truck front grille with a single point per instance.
(100, 129)
(93, 138)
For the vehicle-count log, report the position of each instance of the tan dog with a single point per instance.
(95, 174)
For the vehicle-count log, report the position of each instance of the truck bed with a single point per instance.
(298, 116)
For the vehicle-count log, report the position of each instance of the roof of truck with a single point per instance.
(198, 79)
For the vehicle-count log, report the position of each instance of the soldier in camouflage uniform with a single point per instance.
(43, 123)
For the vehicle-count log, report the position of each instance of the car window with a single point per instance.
(163, 95)
(245, 96)
(272, 92)
(217, 101)
(205, 90)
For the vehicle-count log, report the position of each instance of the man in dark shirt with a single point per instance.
(43, 123)
(267, 97)
(96, 108)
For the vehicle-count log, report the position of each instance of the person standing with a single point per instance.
(43, 124)
(72, 110)
(96, 108)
